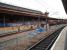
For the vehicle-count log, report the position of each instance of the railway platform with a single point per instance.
(61, 42)
(25, 39)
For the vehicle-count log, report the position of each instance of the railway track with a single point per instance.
(46, 43)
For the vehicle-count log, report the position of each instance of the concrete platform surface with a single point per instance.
(61, 42)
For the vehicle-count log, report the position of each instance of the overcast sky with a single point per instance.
(54, 7)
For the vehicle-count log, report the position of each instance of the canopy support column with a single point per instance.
(46, 24)
(4, 21)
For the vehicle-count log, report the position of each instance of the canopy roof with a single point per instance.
(10, 9)
(18, 10)
(65, 4)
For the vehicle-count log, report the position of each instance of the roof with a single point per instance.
(65, 4)
(19, 10)
(10, 9)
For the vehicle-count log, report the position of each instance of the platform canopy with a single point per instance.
(65, 4)
(10, 9)
(15, 10)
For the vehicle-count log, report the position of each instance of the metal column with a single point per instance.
(4, 21)
(46, 23)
